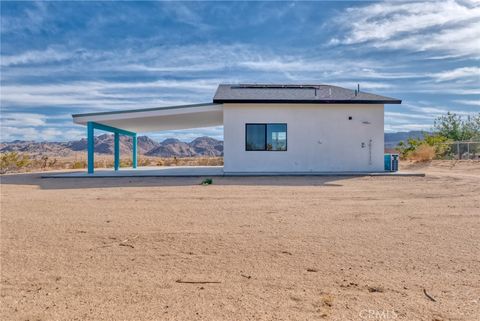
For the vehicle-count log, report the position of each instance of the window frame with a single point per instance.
(266, 138)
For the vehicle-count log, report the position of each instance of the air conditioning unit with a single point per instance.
(391, 162)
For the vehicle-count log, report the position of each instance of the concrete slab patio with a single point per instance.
(204, 171)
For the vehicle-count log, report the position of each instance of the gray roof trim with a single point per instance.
(284, 101)
(143, 110)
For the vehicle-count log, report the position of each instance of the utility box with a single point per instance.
(391, 162)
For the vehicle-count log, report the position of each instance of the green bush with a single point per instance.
(13, 161)
(457, 128)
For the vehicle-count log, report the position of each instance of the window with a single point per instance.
(256, 137)
(266, 137)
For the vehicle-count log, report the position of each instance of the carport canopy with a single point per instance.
(130, 122)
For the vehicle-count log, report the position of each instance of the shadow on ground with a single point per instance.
(115, 182)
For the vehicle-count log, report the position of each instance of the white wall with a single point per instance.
(320, 138)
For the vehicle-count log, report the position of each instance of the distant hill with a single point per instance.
(201, 146)
(392, 139)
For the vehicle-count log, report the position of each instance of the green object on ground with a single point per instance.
(207, 181)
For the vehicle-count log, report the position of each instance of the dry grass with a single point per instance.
(48, 163)
(423, 153)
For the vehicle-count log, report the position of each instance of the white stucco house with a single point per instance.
(271, 128)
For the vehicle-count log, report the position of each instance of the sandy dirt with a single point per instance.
(285, 248)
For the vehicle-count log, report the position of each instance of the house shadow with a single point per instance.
(117, 182)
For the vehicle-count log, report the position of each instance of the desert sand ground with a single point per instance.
(285, 248)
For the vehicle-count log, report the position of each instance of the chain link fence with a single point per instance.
(460, 150)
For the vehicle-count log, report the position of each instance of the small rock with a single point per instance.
(373, 289)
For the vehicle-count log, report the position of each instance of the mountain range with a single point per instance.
(201, 146)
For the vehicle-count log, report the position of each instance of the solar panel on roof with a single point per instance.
(274, 86)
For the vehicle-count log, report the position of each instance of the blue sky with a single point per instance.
(59, 58)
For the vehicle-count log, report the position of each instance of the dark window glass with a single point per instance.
(277, 137)
(255, 137)
(270, 137)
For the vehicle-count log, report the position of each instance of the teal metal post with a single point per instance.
(90, 149)
(117, 151)
(91, 126)
(134, 151)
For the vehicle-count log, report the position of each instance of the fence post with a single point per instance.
(458, 151)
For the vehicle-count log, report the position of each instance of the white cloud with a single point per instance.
(110, 95)
(432, 112)
(464, 73)
(468, 102)
(35, 57)
(403, 117)
(364, 85)
(407, 127)
(193, 59)
(22, 119)
(39, 134)
(449, 26)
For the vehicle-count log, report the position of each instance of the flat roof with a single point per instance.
(304, 94)
(141, 110)
(158, 118)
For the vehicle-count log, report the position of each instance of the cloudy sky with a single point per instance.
(59, 58)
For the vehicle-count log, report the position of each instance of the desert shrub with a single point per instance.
(439, 143)
(52, 163)
(79, 164)
(421, 149)
(126, 163)
(423, 153)
(405, 149)
(143, 161)
(44, 162)
(13, 161)
(107, 163)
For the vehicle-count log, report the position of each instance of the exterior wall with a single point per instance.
(320, 138)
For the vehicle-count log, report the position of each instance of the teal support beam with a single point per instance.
(91, 126)
(116, 151)
(91, 145)
(113, 129)
(134, 151)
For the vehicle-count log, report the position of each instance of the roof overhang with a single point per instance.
(158, 119)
